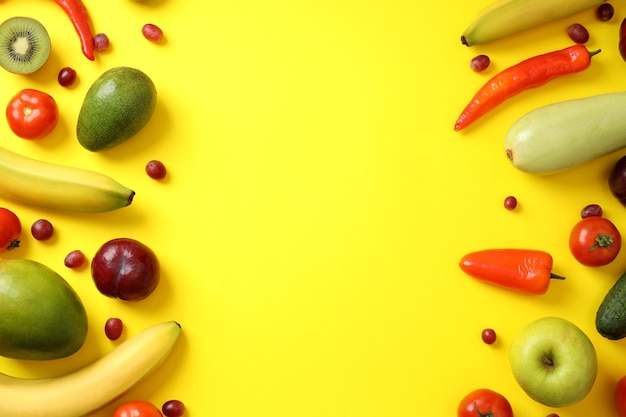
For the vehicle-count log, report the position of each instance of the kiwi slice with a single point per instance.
(24, 45)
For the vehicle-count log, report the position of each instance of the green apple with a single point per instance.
(553, 361)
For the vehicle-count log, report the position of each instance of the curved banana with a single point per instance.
(507, 17)
(93, 386)
(59, 187)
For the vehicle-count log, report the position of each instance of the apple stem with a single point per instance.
(488, 414)
(547, 361)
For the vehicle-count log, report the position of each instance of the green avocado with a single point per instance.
(41, 316)
(611, 315)
(116, 107)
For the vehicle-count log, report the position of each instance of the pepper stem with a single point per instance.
(596, 52)
(555, 276)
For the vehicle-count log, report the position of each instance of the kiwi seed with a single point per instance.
(24, 45)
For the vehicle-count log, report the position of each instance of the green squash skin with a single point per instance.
(563, 135)
(611, 315)
(116, 107)
(41, 316)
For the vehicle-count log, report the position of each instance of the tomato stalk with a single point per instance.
(487, 414)
(15, 243)
(524, 270)
(602, 241)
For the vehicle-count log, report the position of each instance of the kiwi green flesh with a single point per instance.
(24, 45)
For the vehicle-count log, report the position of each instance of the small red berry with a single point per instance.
(488, 336)
(113, 328)
(152, 32)
(173, 408)
(510, 203)
(101, 42)
(156, 170)
(75, 259)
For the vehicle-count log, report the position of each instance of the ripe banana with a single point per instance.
(507, 17)
(59, 187)
(95, 385)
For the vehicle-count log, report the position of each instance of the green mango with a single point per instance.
(116, 107)
(41, 316)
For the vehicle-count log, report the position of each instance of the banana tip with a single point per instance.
(131, 196)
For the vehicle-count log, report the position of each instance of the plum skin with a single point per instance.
(617, 180)
(125, 268)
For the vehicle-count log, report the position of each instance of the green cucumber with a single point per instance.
(566, 134)
(507, 17)
(611, 315)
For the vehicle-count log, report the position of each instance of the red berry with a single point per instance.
(480, 63)
(578, 33)
(42, 229)
(66, 76)
(605, 12)
(113, 328)
(152, 32)
(591, 210)
(75, 259)
(101, 42)
(488, 336)
(156, 170)
(510, 203)
(173, 408)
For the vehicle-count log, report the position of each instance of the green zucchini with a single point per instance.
(611, 316)
(566, 134)
(507, 17)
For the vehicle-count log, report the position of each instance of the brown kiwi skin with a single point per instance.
(38, 51)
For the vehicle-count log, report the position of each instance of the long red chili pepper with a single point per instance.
(525, 270)
(77, 12)
(532, 72)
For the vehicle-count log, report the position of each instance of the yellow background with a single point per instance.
(318, 201)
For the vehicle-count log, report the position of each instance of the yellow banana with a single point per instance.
(58, 187)
(507, 17)
(95, 385)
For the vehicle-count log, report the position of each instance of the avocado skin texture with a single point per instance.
(41, 316)
(611, 315)
(116, 107)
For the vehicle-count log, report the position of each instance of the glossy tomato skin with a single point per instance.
(32, 114)
(10, 230)
(595, 241)
(137, 409)
(484, 402)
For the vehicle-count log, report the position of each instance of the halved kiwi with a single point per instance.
(24, 45)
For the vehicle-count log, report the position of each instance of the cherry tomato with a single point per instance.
(32, 114)
(10, 230)
(595, 241)
(137, 409)
(620, 397)
(484, 402)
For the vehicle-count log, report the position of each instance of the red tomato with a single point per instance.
(595, 241)
(10, 230)
(32, 114)
(484, 402)
(620, 397)
(137, 409)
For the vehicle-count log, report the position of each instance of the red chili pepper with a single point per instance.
(524, 270)
(77, 12)
(532, 72)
